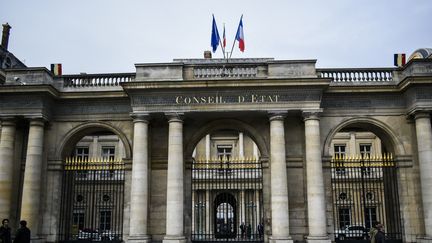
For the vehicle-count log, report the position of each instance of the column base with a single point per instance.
(139, 239)
(278, 239)
(318, 239)
(174, 239)
(425, 239)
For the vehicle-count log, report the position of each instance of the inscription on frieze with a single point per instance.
(228, 97)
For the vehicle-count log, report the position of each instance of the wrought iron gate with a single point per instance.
(227, 200)
(92, 200)
(365, 192)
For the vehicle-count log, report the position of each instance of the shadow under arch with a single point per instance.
(73, 136)
(233, 125)
(388, 138)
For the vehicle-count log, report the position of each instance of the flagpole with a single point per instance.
(232, 47)
(235, 39)
(220, 43)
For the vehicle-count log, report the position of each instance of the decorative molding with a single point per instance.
(175, 116)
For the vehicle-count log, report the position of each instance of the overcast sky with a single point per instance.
(107, 36)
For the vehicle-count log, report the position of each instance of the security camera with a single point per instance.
(17, 79)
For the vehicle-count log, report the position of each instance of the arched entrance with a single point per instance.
(227, 183)
(225, 216)
(93, 182)
(364, 181)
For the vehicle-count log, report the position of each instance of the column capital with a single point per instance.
(37, 122)
(8, 121)
(140, 117)
(421, 114)
(277, 115)
(311, 114)
(175, 116)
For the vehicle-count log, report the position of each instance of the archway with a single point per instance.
(93, 182)
(364, 179)
(227, 183)
(225, 215)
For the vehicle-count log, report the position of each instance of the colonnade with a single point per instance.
(31, 196)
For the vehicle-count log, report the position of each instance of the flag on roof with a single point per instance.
(240, 35)
(224, 38)
(215, 39)
(399, 60)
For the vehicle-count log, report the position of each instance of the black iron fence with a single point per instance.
(365, 192)
(92, 200)
(227, 200)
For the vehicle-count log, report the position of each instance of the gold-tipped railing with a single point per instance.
(383, 160)
(100, 163)
(226, 163)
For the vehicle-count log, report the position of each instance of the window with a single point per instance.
(105, 220)
(78, 218)
(365, 150)
(370, 196)
(344, 217)
(343, 196)
(108, 152)
(339, 152)
(224, 151)
(370, 217)
(82, 152)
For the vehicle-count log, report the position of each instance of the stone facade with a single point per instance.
(291, 110)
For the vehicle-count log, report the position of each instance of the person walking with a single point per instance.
(249, 231)
(373, 231)
(242, 230)
(23, 233)
(5, 232)
(380, 236)
(260, 229)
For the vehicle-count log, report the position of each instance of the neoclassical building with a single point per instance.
(188, 151)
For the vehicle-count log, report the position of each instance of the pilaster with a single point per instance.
(424, 145)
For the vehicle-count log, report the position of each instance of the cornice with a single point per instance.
(20, 89)
(227, 83)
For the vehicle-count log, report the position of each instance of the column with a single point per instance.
(255, 151)
(174, 213)
(314, 180)
(424, 146)
(278, 182)
(31, 195)
(241, 146)
(140, 179)
(207, 151)
(7, 142)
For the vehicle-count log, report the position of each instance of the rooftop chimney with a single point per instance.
(5, 35)
(207, 54)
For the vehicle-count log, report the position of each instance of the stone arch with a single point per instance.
(76, 133)
(234, 125)
(388, 137)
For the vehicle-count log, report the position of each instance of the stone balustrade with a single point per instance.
(222, 71)
(353, 75)
(97, 80)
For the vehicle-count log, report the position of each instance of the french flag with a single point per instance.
(224, 38)
(240, 35)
